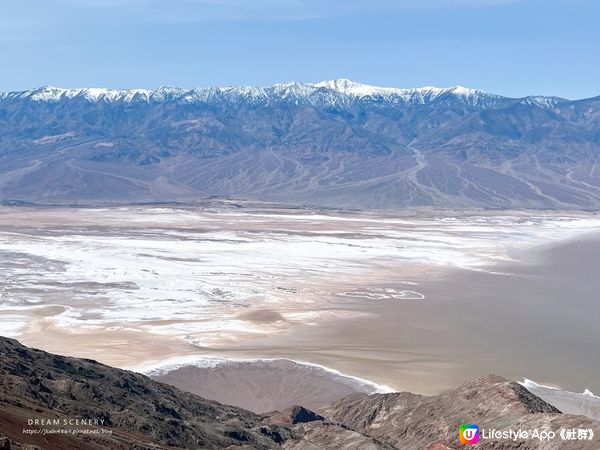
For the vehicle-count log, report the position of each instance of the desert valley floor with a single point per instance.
(369, 301)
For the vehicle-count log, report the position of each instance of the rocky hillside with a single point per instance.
(131, 411)
(407, 421)
(140, 413)
(335, 143)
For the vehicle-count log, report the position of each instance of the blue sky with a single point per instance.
(511, 47)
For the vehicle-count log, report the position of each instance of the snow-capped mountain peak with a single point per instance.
(349, 87)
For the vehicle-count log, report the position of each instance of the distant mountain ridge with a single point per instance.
(333, 143)
(310, 92)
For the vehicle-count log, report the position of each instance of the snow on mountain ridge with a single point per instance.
(330, 91)
(349, 87)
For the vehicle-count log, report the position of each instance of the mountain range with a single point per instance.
(335, 143)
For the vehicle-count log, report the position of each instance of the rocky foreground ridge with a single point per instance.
(134, 412)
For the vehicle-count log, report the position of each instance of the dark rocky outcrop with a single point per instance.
(294, 415)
